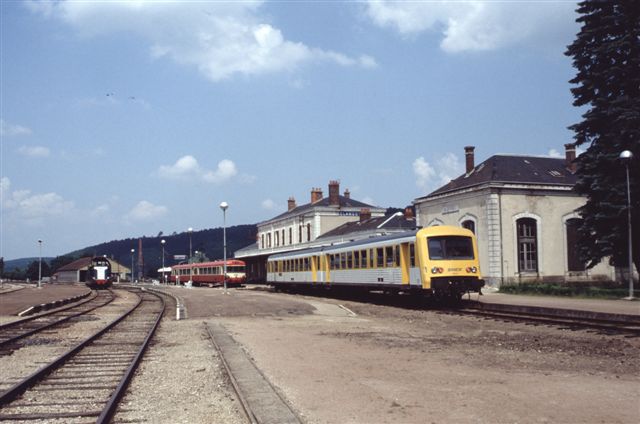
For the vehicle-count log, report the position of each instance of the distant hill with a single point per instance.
(207, 241)
(22, 263)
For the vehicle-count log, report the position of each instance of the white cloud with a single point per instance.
(102, 210)
(32, 206)
(220, 39)
(34, 151)
(12, 130)
(445, 169)
(478, 25)
(185, 167)
(226, 170)
(555, 154)
(449, 167)
(188, 168)
(423, 171)
(269, 205)
(146, 211)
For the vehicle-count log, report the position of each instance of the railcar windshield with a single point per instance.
(235, 269)
(450, 247)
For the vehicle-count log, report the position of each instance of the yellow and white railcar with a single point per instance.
(439, 260)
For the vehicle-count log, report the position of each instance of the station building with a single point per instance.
(301, 226)
(523, 211)
(76, 271)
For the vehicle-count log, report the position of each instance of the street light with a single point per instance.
(224, 206)
(626, 156)
(40, 264)
(132, 276)
(163, 241)
(190, 263)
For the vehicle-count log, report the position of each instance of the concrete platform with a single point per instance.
(14, 302)
(601, 308)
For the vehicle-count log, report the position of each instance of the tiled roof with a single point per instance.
(76, 265)
(393, 222)
(512, 169)
(345, 202)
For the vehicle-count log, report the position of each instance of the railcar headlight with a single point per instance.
(436, 270)
(472, 269)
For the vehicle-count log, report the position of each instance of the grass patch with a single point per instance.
(547, 289)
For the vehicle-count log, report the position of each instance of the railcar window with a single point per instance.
(450, 247)
(356, 259)
(372, 259)
(390, 253)
(380, 257)
(306, 264)
(349, 260)
(412, 255)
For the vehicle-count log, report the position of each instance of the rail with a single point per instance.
(121, 343)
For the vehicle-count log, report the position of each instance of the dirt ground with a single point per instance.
(339, 361)
(343, 361)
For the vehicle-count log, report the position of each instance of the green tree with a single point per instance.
(32, 270)
(606, 54)
(60, 261)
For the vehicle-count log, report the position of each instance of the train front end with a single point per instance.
(236, 273)
(99, 273)
(449, 265)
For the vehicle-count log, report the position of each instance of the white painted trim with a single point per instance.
(470, 217)
(539, 244)
(435, 221)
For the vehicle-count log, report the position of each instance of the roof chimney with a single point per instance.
(408, 213)
(316, 194)
(334, 193)
(469, 159)
(570, 157)
(347, 194)
(365, 214)
(291, 204)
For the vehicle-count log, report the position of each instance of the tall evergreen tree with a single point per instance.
(606, 54)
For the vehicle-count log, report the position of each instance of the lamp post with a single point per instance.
(224, 206)
(626, 156)
(163, 241)
(132, 276)
(39, 263)
(190, 262)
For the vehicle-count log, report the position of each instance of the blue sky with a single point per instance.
(123, 119)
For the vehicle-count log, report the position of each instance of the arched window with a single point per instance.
(573, 255)
(290, 236)
(469, 225)
(262, 241)
(283, 239)
(277, 238)
(269, 240)
(526, 229)
(300, 234)
(308, 232)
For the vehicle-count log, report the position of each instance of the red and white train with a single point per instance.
(209, 273)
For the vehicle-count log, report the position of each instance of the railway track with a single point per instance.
(12, 332)
(565, 318)
(86, 383)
